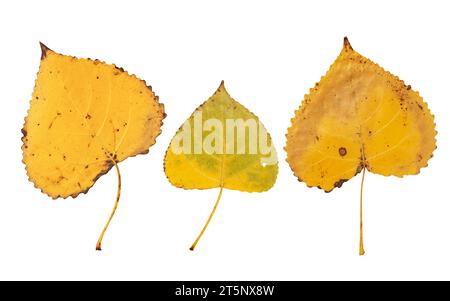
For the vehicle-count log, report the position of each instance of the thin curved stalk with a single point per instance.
(119, 185)
(209, 219)
(361, 243)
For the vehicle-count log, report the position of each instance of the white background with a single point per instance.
(269, 53)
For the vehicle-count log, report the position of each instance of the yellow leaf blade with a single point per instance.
(84, 114)
(202, 170)
(359, 115)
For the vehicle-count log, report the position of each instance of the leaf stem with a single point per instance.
(119, 185)
(361, 244)
(209, 219)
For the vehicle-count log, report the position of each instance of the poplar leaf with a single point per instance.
(85, 117)
(359, 117)
(222, 145)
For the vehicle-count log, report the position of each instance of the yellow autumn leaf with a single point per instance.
(221, 145)
(359, 117)
(85, 116)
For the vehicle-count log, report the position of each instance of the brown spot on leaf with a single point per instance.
(342, 151)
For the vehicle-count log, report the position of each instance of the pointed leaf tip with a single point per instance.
(44, 50)
(222, 87)
(347, 44)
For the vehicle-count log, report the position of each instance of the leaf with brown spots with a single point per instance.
(359, 117)
(85, 117)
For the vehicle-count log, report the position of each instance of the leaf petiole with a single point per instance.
(361, 244)
(119, 185)
(209, 219)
